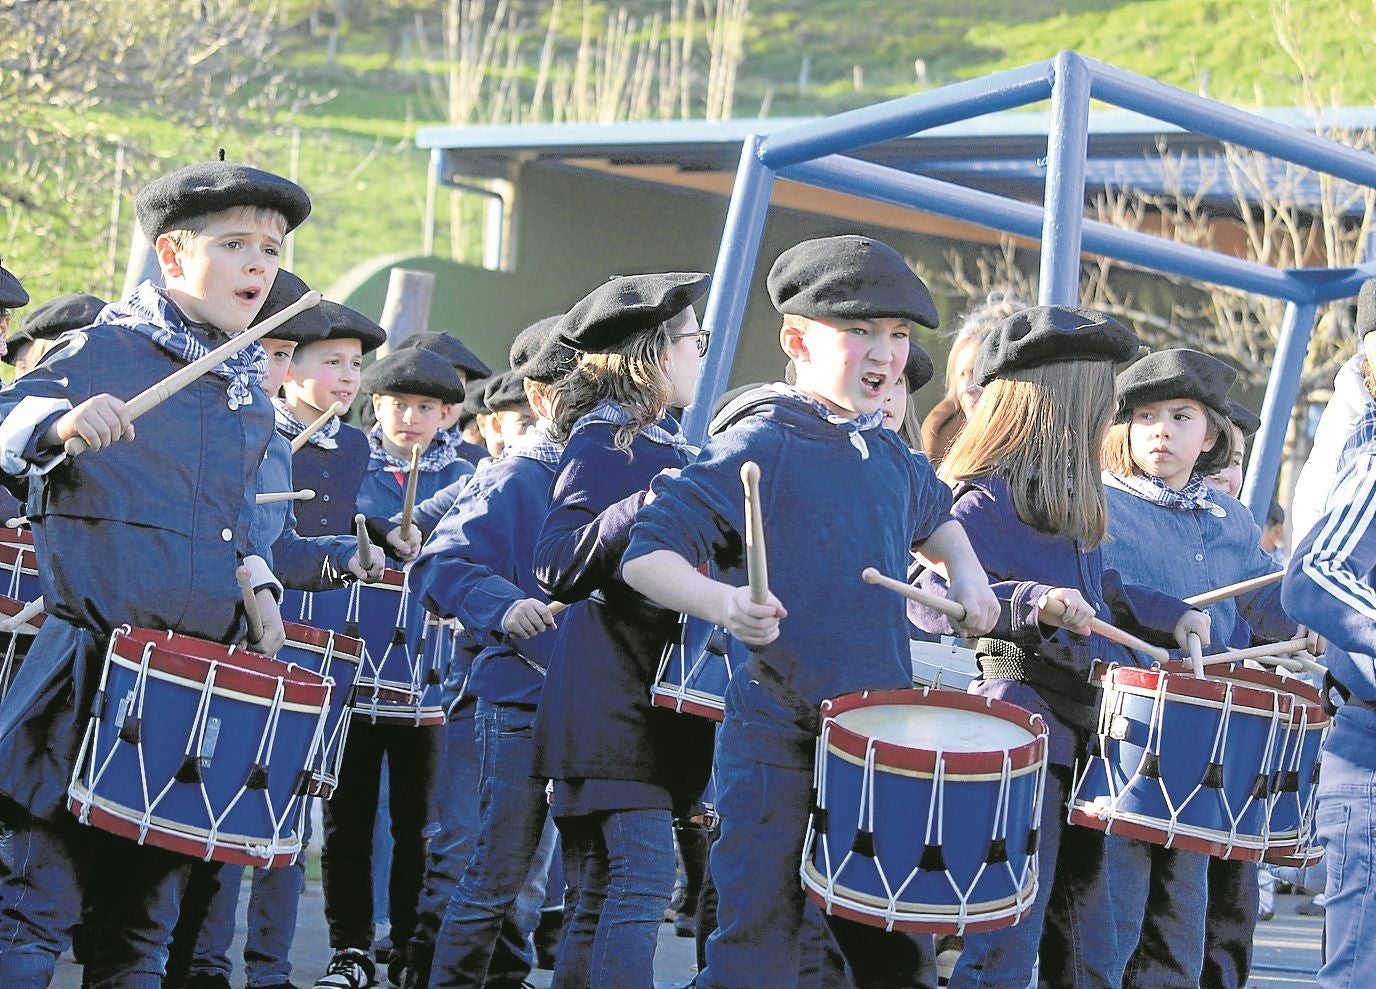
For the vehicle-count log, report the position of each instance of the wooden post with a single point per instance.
(407, 309)
(143, 263)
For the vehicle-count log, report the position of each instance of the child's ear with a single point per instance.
(793, 343)
(445, 409)
(169, 256)
(1210, 439)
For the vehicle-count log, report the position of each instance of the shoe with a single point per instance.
(1313, 908)
(383, 949)
(206, 980)
(1264, 915)
(349, 969)
(948, 949)
(685, 924)
(546, 938)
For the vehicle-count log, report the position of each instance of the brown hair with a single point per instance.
(630, 375)
(190, 227)
(1040, 429)
(1117, 452)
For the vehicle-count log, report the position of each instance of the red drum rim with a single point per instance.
(22, 556)
(390, 580)
(9, 607)
(1306, 694)
(979, 916)
(685, 704)
(1292, 855)
(320, 638)
(238, 670)
(1156, 835)
(16, 537)
(1263, 700)
(1027, 755)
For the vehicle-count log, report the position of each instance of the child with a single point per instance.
(839, 493)
(1242, 424)
(1171, 532)
(900, 414)
(12, 297)
(147, 528)
(44, 325)
(618, 764)
(478, 568)
(1028, 491)
(467, 364)
(472, 444)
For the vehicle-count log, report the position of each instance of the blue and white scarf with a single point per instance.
(856, 427)
(1193, 497)
(665, 431)
(535, 444)
(151, 313)
(440, 454)
(291, 427)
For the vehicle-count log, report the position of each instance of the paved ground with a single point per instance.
(1287, 949)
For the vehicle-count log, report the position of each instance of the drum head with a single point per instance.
(935, 728)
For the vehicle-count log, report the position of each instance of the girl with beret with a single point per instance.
(619, 765)
(1028, 492)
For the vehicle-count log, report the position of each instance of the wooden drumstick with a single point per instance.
(1233, 590)
(756, 564)
(152, 396)
(1196, 654)
(365, 545)
(1053, 608)
(947, 607)
(409, 505)
(555, 607)
(1286, 648)
(304, 437)
(272, 497)
(255, 620)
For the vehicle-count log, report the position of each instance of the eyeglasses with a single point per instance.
(702, 337)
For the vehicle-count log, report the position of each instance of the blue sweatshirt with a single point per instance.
(335, 476)
(299, 562)
(383, 492)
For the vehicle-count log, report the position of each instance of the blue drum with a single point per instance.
(340, 658)
(435, 649)
(19, 566)
(927, 813)
(15, 638)
(1295, 786)
(695, 669)
(1183, 762)
(200, 748)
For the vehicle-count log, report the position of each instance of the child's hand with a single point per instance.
(1066, 607)
(1192, 621)
(981, 607)
(404, 550)
(99, 421)
(371, 574)
(528, 618)
(1313, 641)
(666, 472)
(755, 625)
(274, 634)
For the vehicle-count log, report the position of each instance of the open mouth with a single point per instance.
(873, 384)
(249, 294)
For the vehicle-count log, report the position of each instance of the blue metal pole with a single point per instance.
(1067, 141)
(740, 247)
(1281, 391)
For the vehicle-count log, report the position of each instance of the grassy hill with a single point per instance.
(368, 181)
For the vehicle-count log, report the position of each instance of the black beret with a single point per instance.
(625, 305)
(1243, 418)
(305, 327)
(473, 404)
(212, 186)
(848, 277)
(1052, 335)
(538, 355)
(504, 390)
(917, 369)
(1177, 373)
(414, 372)
(350, 324)
(451, 348)
(1366, 308)
(53, 318)
(12, 294)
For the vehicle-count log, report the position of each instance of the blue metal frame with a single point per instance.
(815, 153)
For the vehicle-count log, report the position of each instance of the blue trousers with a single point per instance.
(1346, 824)
(1160, 899)
(1234, 901)
(47, 867)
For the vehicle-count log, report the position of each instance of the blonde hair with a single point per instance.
(1040, 430)
(192, 226)
(630, 376)
(1117, 452)
(977, 324)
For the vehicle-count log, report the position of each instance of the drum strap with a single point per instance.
(1073, 699)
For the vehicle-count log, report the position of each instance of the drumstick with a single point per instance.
(16, 523)
(1054, 608)
(20, 618)
(757, 566)
(1287, 648)
(1196, 654)
(255, 620)
(949, 608)
(303, 437)
(365, 545)
(555, 607)
(272, 497)
(1233, 590)
(155, 394)
(409, 505)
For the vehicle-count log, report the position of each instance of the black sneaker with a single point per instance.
(348, 969)
(206, 980)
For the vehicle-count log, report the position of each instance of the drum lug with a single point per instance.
(863, 844)
(933, 860)
(257, 777)
(189, 771)
(998, 852)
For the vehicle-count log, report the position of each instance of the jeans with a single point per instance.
(620, 870)
(1346, 825)
(1160, 900)
(512, 811)
(46, 867)
(1231, 921)
(346, 860)
(754, 865)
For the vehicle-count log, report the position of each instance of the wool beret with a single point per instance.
(504, 390)
(53, 318)
(350, 324)
(1366, 308)
(473, 404)
(212, 186)
(1243, 418)
(304, 327)
(414, 372)
(451, 348)
(12, 294)
(538, 355)
(917, 369)
(625, 305)
(1052, 335)
(848, 277)
(1176, 373)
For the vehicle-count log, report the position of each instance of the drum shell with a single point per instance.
(695, 670)
(943, 665)
(340, 658)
